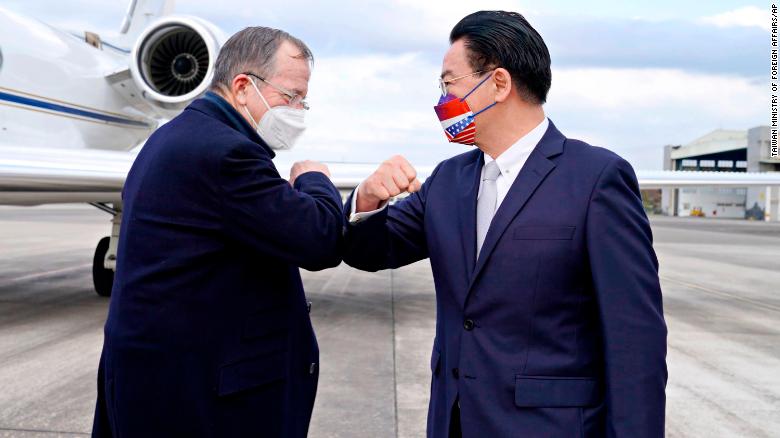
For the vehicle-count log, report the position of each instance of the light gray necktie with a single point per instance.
(486, 204)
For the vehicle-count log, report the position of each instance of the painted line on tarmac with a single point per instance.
(59, 432)
(721, 293)
(53, 273)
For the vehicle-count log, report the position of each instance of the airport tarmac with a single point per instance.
(720, 278)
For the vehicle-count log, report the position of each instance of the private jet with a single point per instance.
(74, 108)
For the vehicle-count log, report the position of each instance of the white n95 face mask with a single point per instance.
(280, 126)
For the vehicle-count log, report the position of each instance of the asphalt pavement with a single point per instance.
(720, 278)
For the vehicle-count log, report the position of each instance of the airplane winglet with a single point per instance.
(142, 12)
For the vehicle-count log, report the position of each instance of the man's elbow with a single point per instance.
(363, 246)
(322, 264)
(325, 252)
(357, 257)
(362, 265)
(330, 257)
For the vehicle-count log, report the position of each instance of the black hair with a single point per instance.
(505, 39)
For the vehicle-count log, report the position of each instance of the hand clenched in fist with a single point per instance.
(393, 177)
(302, 167)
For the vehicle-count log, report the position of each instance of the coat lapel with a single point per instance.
(532, 174)
(467, 211)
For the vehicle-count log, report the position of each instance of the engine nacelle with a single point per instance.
(172, 61)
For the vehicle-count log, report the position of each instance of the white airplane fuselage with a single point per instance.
(72, 107)
(54, 91)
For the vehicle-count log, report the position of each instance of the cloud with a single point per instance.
(367, 108)
(748, 16)
(367, 27)
(636, 111)
(75, 15)
(638, 43)
(627, 84)
(402, 26)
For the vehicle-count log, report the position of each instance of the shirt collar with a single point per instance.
(512, 159)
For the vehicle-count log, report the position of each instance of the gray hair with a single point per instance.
(252, 49)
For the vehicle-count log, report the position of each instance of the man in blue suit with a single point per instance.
(549, 315)
(208, 332)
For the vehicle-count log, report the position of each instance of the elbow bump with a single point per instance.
(329, 252)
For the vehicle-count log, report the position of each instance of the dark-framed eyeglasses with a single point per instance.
(293, 99)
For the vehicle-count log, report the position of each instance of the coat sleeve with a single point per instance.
(391, 238)
(301, 225)
(624, 271)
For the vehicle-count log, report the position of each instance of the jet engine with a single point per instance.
(172, 61)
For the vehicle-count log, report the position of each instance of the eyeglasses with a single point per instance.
(293, 99)
(443, 84)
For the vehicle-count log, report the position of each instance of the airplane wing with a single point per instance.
(656, 179)
(347, 175)
(32, 176)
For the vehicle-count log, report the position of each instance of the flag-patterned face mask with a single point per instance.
(456, 117)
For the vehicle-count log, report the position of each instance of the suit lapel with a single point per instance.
(467, 211)
(534, 171)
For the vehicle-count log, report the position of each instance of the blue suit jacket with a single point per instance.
(557, 330)
(208, 332)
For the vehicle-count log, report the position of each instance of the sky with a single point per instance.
(628, 76)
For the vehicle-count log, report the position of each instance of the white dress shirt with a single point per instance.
(510, 162)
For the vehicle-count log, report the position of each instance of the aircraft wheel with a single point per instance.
(102, 278)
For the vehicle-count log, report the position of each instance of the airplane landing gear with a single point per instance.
(104, 261)
(102, 278)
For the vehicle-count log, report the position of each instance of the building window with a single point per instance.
(707, 163)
